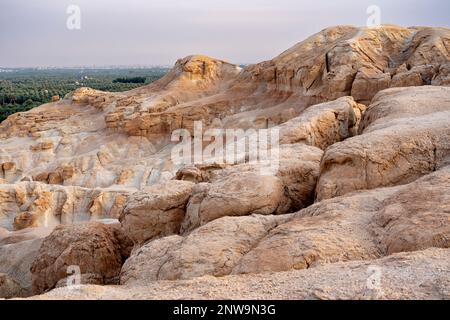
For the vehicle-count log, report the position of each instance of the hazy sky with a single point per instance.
(150, 32)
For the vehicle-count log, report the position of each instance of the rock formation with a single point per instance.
(360, 178)
(98, 250)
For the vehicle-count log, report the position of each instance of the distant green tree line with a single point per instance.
(24, 89)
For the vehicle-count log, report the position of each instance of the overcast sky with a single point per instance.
(154, 32)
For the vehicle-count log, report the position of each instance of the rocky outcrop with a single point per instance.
(98, 250)
(16, 260)
(363, 226)
(156, 211)
(405, 134)
(247, 189)
(32, 204)
(420, 275)
(213, 249)
(324, 124)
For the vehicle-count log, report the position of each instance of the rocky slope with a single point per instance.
(363, 176)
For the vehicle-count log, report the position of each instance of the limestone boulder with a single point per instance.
(361, 226)
(443, 77)
(156, 211)
(213, 249)
(405, 134)
(95, 248)
(367, 83)
(324, 124)
(285, 185)
(237, 195)
(16, 260)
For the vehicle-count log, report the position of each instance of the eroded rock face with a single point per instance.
(33, 204)
(16, 260)
(121, 141)
(156, 211)
(405, 134)
(9, 288)
(246, 189)
(98, 250)
(324, 124)
(212, 249)
(420, 275)
(363, 226)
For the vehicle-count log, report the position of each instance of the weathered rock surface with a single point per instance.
(34, 204)
(16, 260)
(121, 141)
(405, 134)
(98, 250)
(213, 249)
(324, 124)
(9, 288)
(156, 211)
(362, 226)
(415, 275)
(246, 189)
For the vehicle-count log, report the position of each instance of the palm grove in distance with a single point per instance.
(22, 89)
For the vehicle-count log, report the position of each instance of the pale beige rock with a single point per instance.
(156, 211)
(369, 82)
(213, 249)
(95, 248)
(16, 260)
(283, 186)
(420, 275)
(405, 135)
(236, 195)
(324, 124)
(32, 204)
(443, 77)
(361, 226)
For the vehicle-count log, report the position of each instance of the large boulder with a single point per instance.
(246, 189)
(156, 211)
(16, 260)
(367, 83)
(213, 249)
(405, 135)
(98, 250)
(236, 195)
(361, 226)
(324, 124)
